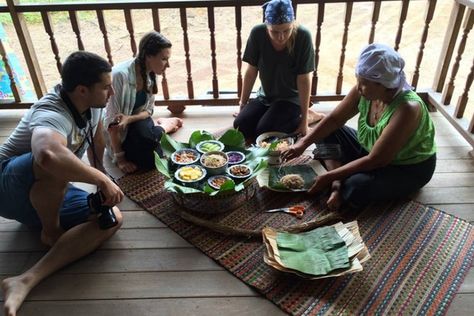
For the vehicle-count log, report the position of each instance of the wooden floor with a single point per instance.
(147, 269)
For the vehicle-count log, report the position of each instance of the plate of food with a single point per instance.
(295, 178)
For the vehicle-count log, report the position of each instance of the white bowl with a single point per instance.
(214, 145)
(214, 170)
(185, 160)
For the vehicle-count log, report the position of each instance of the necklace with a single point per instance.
(377, 110)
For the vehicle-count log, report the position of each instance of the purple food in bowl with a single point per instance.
(235, 157)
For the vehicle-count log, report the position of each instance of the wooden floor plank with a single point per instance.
(448, 195)
(123, 239)
(140, 285)
(462, 305)
(118, 261)
(464, 211)
(236, 306)
(147, 269)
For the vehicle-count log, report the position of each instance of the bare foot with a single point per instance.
(126, 166)
(335, 200)
(170, 125)
(314, 117)
(15, 290)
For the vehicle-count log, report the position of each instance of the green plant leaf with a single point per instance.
(162, 165)
(233, 138)
(169, 145)
(174, 187)
(199, 136)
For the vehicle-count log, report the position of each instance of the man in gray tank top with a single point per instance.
(40, 159)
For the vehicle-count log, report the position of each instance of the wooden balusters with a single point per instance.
(212, 27)
(238, 27)
(375, 18)
(428, 18)
(317, 45)
(76, 29)
(347, 21)
(156, 26)
(449, 88)
(403, 17)
(452, 32)
(103, 29)
(156, 20)
(129, 22)
(49, 29)
(184, 26)
(462, 101)
(27, 48)
(9, 71)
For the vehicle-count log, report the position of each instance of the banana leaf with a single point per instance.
(256, 159)
(276, 173)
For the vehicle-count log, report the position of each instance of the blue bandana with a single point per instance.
(278, 12)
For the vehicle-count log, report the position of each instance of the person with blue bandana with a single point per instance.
(281, 53)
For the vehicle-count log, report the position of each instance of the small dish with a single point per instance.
(186, 156)
(284, 142)
(209, 145)
(216, 182)
(215, 162)
(190, 174)
(239, 172)
(235, 157)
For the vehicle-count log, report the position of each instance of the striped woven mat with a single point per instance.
(420, 255)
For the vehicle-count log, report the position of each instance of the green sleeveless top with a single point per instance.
(420, 145)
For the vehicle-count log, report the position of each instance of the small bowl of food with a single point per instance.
(186, 156)
(239, 172)
(209, 145)
(216, 182)
(283, 142)
(235, 157)
(190, 175)
(215, 162)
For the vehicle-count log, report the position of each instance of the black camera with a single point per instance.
(105, 214)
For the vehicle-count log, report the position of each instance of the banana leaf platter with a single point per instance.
(233, 140)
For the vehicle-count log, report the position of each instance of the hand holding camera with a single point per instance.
(105, 213)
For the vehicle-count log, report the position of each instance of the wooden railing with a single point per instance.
(361, 20)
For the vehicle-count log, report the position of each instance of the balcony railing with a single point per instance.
(211, 31)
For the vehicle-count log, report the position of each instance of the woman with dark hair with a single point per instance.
(132, 136)
(392, 154)
(281, 53)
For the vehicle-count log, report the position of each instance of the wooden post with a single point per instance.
(238, 27)
(347, 21)
(463, 98)
(449, 88)
(9, 71)
(76, 28)
(212, 26)
(27, 48)
(452, 31)
(48, 27)
(403, 17)
(129, 22)
(317, 45)
(375, 18)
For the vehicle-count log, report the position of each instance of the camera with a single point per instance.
(105, 214)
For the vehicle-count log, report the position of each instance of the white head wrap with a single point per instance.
(381, 63)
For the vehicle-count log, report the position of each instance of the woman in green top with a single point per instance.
(282, 54)
(392, 154)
